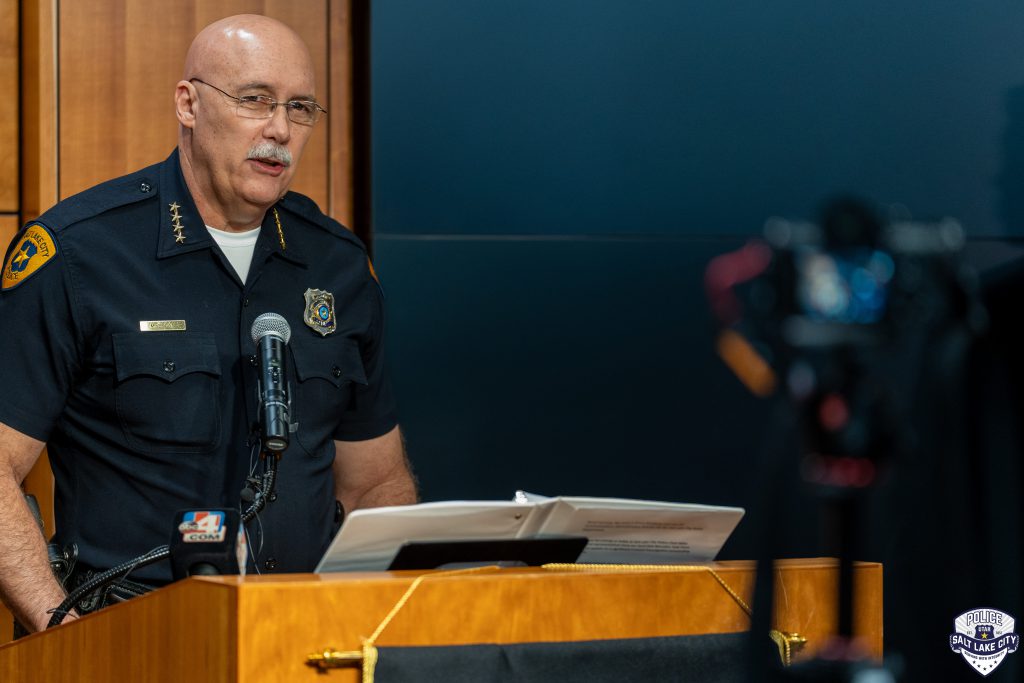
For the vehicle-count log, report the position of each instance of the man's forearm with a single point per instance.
(27, 584)
(373, 473)
(400, 490)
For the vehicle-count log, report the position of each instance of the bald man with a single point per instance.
(126, 350)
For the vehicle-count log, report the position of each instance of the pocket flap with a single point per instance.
(163, 355)
(335, 360)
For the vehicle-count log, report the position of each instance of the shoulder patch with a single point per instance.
(34, 249)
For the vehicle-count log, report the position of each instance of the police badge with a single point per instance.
(319, 315)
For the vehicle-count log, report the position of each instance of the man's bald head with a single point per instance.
(238, 41)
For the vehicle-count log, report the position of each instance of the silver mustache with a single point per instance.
(268, 150)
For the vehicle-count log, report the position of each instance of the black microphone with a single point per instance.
(205, 542)
(271, 333)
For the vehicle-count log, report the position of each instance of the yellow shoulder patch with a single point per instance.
(34, 248)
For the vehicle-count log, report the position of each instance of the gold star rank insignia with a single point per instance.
(176, 226)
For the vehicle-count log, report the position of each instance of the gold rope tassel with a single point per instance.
(788, 644)
(369, 662)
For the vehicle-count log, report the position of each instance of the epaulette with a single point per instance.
(306, 208)
(98, 199)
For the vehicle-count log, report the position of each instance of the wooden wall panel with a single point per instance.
(38, 107)
(119, 63)
(341, 164)
(9, 224)
(9, 200)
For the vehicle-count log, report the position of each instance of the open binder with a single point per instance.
(618, 531)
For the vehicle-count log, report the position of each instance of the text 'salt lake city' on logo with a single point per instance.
(319, 314)
(203, 526)
(33, 250)
(984, 636)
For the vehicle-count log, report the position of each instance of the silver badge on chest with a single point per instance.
(319, 314)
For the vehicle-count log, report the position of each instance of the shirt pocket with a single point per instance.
(328, 371)
(167, 391)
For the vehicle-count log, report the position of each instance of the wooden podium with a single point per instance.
(227, 629)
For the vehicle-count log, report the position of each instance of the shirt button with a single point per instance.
(336, 371)
(252, 361)
(145, 187)
(168, 366)
(273, 497)
(245, 301)
(271, 563)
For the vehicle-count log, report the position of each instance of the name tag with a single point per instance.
(162, 325)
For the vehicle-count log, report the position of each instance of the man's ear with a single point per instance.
(186, 104)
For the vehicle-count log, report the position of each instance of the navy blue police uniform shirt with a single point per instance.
(139, 424)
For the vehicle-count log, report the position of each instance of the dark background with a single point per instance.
(550, 179)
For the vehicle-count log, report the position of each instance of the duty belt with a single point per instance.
(113, 593)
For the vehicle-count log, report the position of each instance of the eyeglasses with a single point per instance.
(303, 112)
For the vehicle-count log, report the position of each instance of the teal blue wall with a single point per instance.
(691, 117)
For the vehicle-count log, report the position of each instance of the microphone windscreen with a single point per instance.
(271, 323)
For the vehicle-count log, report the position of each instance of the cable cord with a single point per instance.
(102, 580)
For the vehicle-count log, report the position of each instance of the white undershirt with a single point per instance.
(238, 247)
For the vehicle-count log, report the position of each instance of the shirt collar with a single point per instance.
(182, 229)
